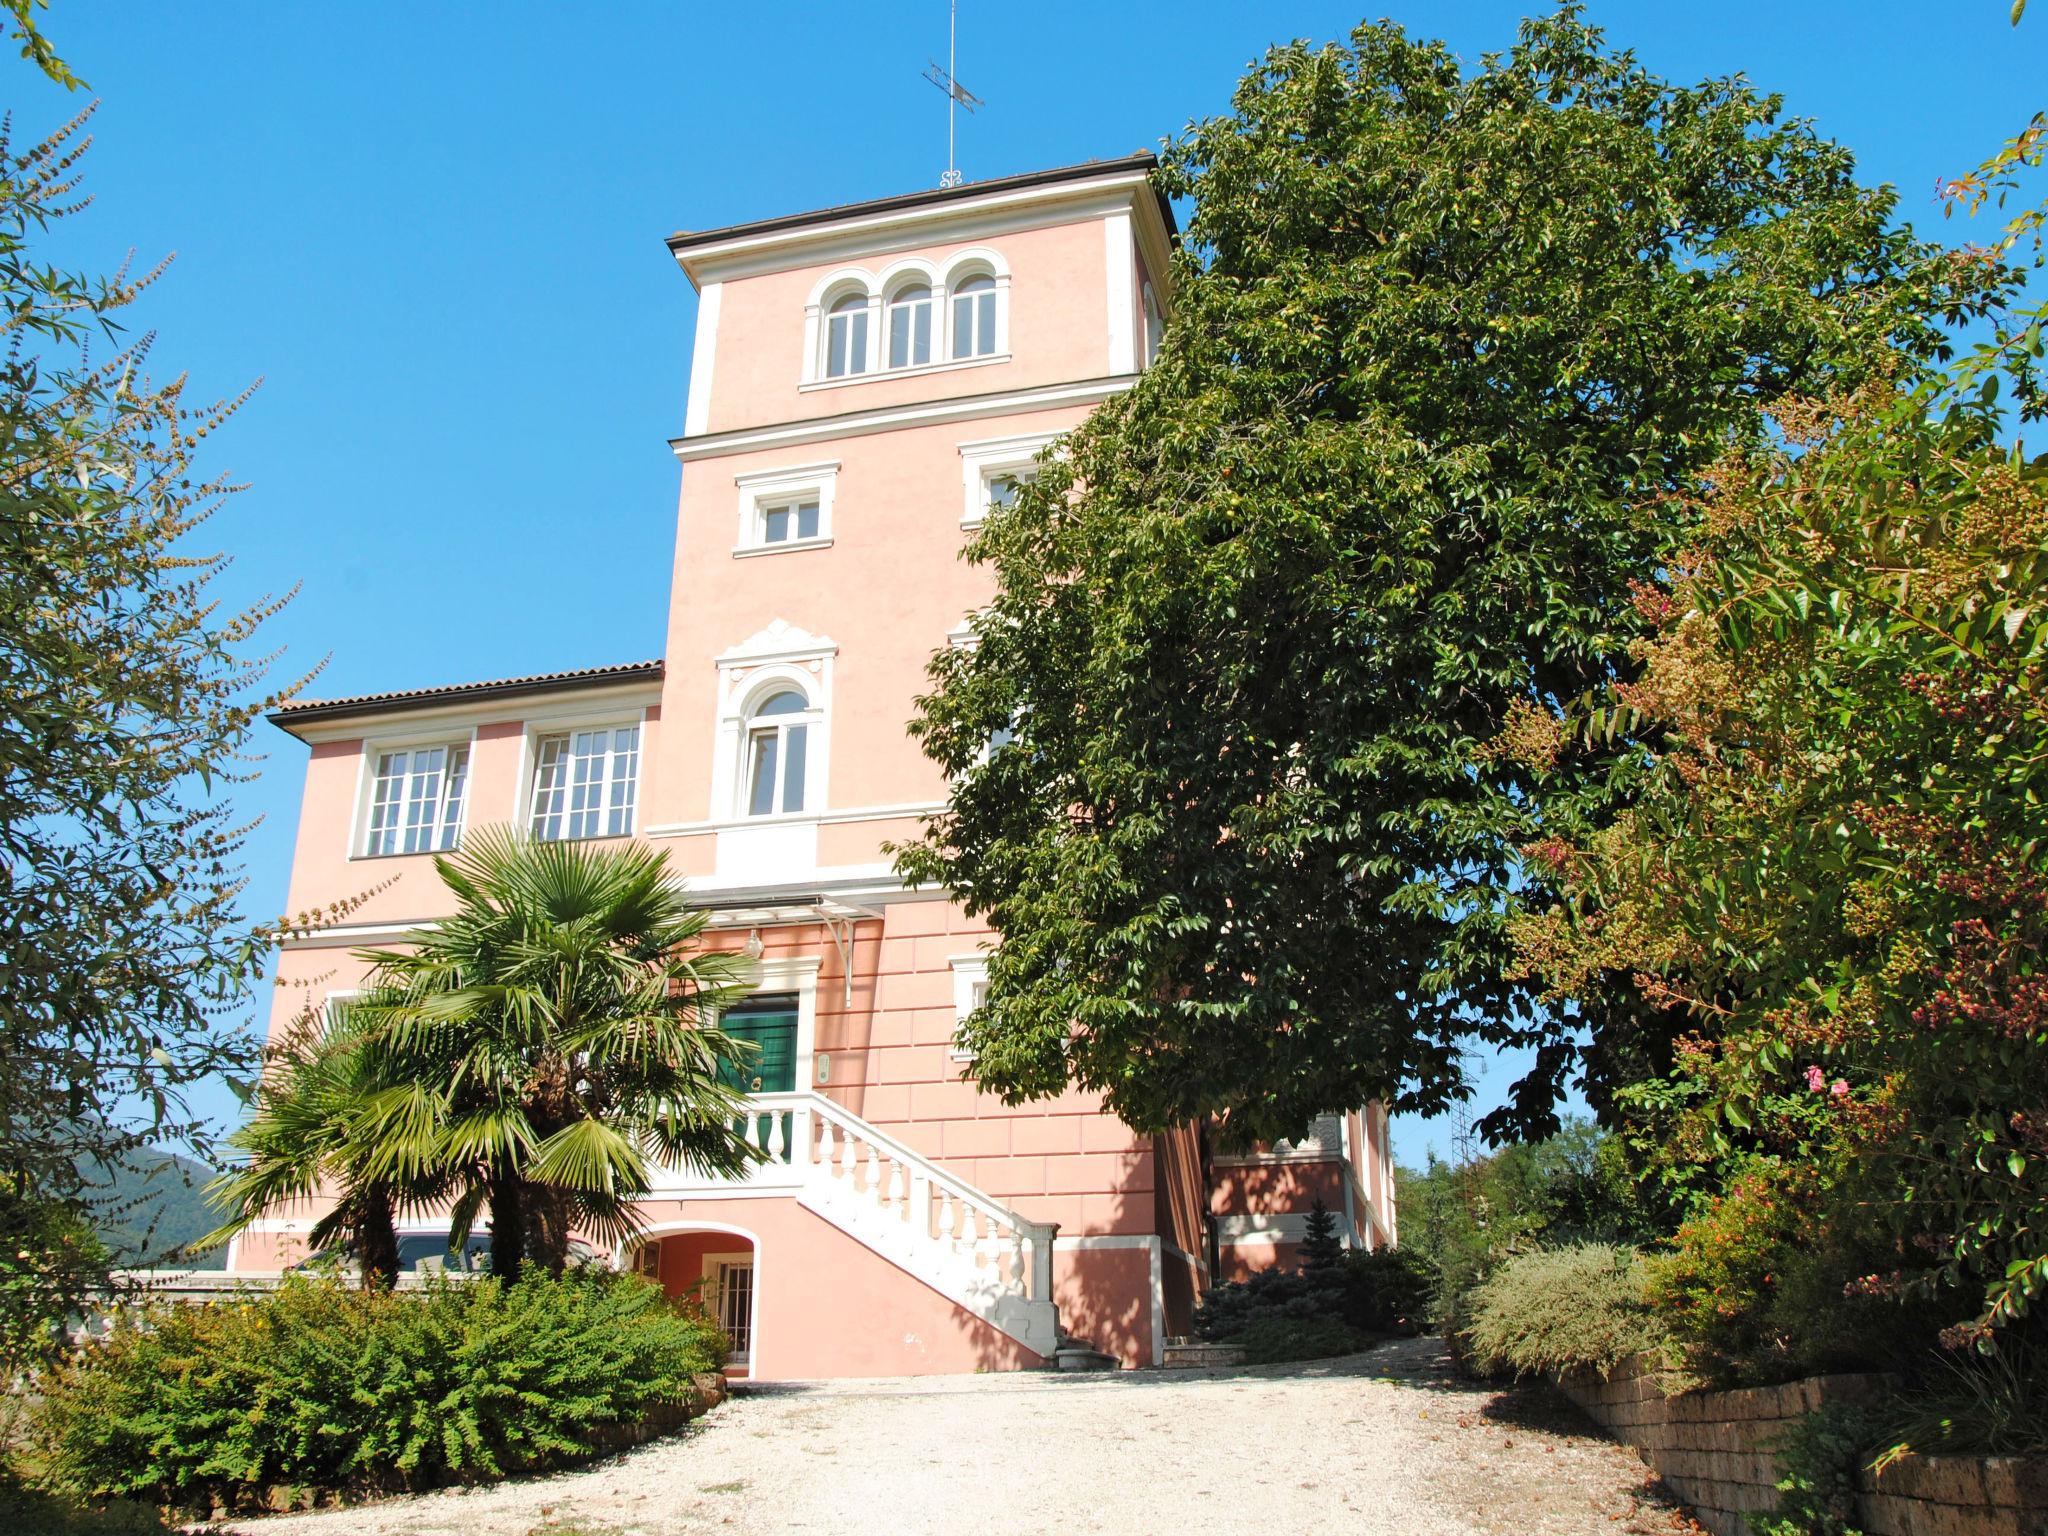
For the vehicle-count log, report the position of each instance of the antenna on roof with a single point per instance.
(957, 95)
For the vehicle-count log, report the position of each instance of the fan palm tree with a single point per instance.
(309, 1136)
(550, 1044)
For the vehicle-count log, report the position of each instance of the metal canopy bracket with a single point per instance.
(764, 911)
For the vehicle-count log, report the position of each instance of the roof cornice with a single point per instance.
(294, 717)
(765, 244)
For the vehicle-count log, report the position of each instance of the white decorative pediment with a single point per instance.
(780, 641)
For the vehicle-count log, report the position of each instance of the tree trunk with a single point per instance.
(548, 1215)
(377, 1239)
(508, 1229)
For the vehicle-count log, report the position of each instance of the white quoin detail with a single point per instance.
(933, 1225)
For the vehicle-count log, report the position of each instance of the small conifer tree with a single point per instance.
(1320, 1249)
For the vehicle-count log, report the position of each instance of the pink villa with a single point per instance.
(867, 383)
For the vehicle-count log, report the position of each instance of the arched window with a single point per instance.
(846, 337)
(778, 741)
(974, 317)
(910, 326)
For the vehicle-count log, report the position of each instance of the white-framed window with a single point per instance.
(846, 336)
(974, 317)
(1155, 325)
(993, 470)
(416, 798)
(909, 315)
(776, 775)
(970, 991)
(781, 658)
(787, 508)
(913, 316)
(585, 783)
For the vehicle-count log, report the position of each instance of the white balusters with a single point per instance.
(848, 1155)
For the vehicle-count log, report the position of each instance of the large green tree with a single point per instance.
(127, 691)
(1445, 344)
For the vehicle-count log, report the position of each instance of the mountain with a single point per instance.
(155, 1204)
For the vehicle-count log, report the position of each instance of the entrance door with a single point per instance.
(770, 1022)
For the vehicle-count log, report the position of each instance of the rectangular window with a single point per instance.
(416, 800)
(974, 319)
(584, 783)
(777, 758)
(910, 328)
(846, 341)
(786, 520)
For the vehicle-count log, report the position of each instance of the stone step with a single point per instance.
(1079, 1355)
(1194, 1357)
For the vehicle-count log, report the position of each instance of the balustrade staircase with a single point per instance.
(930, 1223)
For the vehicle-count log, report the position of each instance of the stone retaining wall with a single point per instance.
(1713, 1450)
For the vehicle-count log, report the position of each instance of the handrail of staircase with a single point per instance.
(958, 1188)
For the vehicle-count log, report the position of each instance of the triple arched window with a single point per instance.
(914, 315)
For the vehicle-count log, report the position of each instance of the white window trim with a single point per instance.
(764, 488)
(780, 653)
(969, 972)
(540, 728)
(375, 747)
(941, 277)
(986, 458)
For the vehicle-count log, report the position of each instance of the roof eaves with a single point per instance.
(1144, 160)
(288, 717)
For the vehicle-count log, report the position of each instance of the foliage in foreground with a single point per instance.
(1559, 1310)
(325, 1387)
(1444, 343)
(126, 697)
(1833, 887)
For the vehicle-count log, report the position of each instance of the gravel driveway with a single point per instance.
(1384, 1442)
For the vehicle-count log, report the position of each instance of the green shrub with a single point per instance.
(1562, 1309)
(1818, 1458)
(1268, 1294)
(1382, 1291)
(1386, 1290)
(1275, 1340)
(321, 1386)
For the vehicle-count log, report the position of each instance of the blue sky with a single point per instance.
(434, 231)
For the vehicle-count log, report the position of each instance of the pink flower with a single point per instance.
(1816, 1079)
(1840, 1090)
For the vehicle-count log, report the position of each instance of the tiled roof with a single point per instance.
(305, 711)
(1143, 160)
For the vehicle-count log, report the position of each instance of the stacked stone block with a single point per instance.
(1714, 1450)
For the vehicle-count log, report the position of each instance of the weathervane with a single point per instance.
(956, 93)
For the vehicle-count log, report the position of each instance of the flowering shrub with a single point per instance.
(1831, 894)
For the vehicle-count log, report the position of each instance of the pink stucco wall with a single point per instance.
(1132, 1251)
